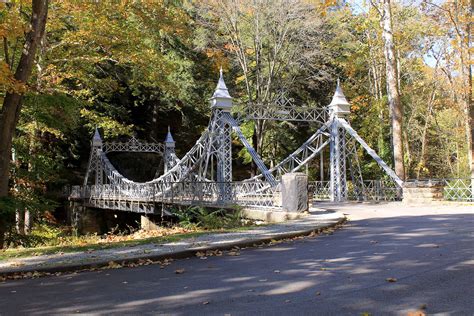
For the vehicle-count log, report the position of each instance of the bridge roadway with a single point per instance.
(429, 250)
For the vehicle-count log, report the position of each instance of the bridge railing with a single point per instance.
(252, 194)
(453, 189)
(373, 190)
(458, 189)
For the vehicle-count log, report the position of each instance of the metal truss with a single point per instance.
(354, 167)
(338, 162)
(301, 156)
(285, 109)
(371, 152)
(285, 113)
(133, 145)
(267, 174)
(204, 175)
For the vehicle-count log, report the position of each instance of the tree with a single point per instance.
(274, 46)
(393, 93)
(13, 99)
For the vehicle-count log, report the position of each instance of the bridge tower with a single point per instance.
(169, 152)
(221, 142)
(95, 163)
(338, 108)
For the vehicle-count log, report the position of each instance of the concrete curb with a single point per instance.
(174, 254)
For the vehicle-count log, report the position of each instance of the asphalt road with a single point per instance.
(428, 250)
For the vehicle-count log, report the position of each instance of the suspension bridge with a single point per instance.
(203, 176)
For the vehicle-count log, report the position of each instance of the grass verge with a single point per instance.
(14, 253)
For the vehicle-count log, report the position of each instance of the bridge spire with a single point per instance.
(221, 98)
(339, 104)
(169, 153)
(169, 141)
(97, 140)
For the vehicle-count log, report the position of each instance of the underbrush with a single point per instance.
(197, 217)
(47, 237)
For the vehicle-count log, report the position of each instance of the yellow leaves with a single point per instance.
(34, 126)
(218, 58)
(208, 253)
(234, 252)
(359, 102)
(114, 265)
(240, 79)
(12, 25)
(8, 82)
(110, 126)
(230, 47)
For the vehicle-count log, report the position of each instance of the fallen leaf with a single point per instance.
(391, 279)
(114, 265)
(318, 293)
(205, 303)
(179, 271)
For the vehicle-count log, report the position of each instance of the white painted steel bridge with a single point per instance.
(203, 176)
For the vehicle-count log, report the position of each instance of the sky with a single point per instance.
(362, 6)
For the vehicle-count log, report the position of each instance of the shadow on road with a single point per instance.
(430, 258)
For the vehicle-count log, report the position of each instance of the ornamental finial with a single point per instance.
(339, 104)
(221, 97)
(96, 139)
(169, 138)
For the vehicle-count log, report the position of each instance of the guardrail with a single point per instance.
(453, 189)
(458, 189)
(254, 194)
(373, 190)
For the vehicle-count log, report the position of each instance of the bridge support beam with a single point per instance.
(147, 223)
(85, 220)
(339, 108)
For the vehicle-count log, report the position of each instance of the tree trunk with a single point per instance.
(12, 103)
(470, 101)
(393, 93)
(20, 222)
(424, 134)
(28, 222)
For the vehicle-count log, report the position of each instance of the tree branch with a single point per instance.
(5, 49)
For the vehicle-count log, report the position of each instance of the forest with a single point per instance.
(135, 68)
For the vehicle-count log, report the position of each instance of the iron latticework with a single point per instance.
(204, 174)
